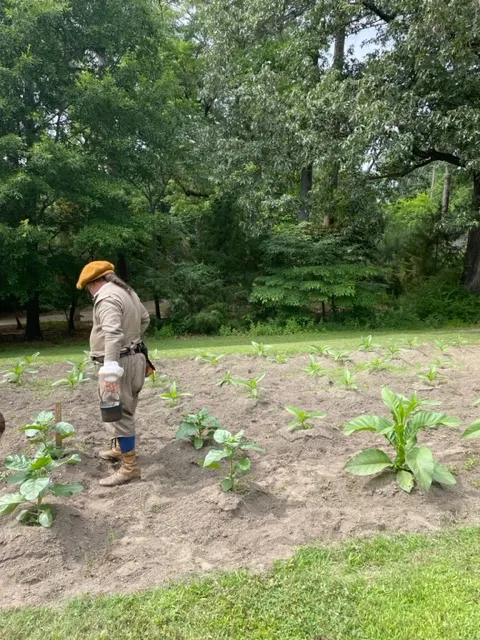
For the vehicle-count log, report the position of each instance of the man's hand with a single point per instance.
(112, 387)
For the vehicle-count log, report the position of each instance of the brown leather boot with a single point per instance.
(114, 454)
(129, 470)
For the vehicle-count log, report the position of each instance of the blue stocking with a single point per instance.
(126, 444)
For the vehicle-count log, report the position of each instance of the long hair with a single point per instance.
(114, 279)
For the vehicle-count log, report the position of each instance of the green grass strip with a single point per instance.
(408, 587)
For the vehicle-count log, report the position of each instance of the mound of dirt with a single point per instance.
(177, 521)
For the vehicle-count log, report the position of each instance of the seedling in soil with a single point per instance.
(471, 463)
(438, 362)
(377, 364)
(233, 450)
(47, 432)
(321, 350)
(473, 431)
(280, 358)
(431, 377)
(31, 359)
(302, 418)
(210, 358)
(458, 341)
(172, 396)
(83, 365)
(155, 379)
(412, 464)
(74, 378)
(341, 356)
(349, 380)
(261, 349)
(412, 342)
(394, 350)
(227, 379)
(314, 368)
(16, 374)
(367, 344)
(443, 346)
(34, 477)
(252, 385)
(198, 428)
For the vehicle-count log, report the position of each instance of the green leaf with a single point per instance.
(221, 436)
(39, 463)
(45, 418)
(252, 446)
(368, 462)
(473, 431)
(18, 477)
(198, 442)
(442, 475)
(17, 463)
(64, 429)
(293, 410)
(390, 399)
(420, 461)
(215, 455)
(243, 465)
(35, 487)
(424, 419)
(185, 430)
(227, 484)
(9, 502)
(66, 489)
(367, 423)
(71, 460)
(405, 480)
(45, 517)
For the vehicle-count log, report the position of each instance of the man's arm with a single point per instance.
(145, 320)
(110, 314)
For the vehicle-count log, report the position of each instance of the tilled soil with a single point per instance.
(177, 521)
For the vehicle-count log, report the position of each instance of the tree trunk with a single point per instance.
(122, 268)
(19, 324)
(447, 182)
(471, 270)
(306, 183)
(157, 307)
(338, 64)
(33, 330)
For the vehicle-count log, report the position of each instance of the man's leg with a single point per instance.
(123, 431)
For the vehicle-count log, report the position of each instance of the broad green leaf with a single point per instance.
(221, 436)
(185, 430)
(198, 442)
(17, 463)
(45, 418)
(473, 431)
(34, 428)
(35, 487)
(367, 423)
(32, 432)
(316, 414)
(227, 484)
(420, 461)
(18, 477)
(9, 502)
(45, 517)
(215, 455)
(368, 462)
(390, 399)
(405, 480)
(64, 429)
(252, 446)
(442, 475)
(71, 460)
(424, 419)
(293, 410)
(39, 463)
(66, 489)
(243, 465)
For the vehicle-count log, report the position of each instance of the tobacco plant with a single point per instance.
(394, 350)
(367, 344)
(314, 368)
(348, 379)
(411, 463)
(74, 378)
(232, 451)
(32, 359)
(431, 376)
(198, 428)
(45, 431)
(377, 364)
(302, 418)
(280, 358)
(227, 379)
(261, 349)
(210, 358)
(17, 372)
(321, 350)
(252, 386)
(155, 379)
(172, 396)
(340, 356)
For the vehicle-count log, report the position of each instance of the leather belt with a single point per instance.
(125, 352)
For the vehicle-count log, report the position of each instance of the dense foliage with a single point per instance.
(262, 165)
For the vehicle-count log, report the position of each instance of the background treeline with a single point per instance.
(262, 165)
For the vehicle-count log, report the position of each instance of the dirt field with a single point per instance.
(177, 521)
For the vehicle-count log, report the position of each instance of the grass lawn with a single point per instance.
(188, 347)
(410, 587)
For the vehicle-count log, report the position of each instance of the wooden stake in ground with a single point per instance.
(58, 418)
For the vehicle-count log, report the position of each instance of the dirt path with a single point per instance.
(177, 521)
